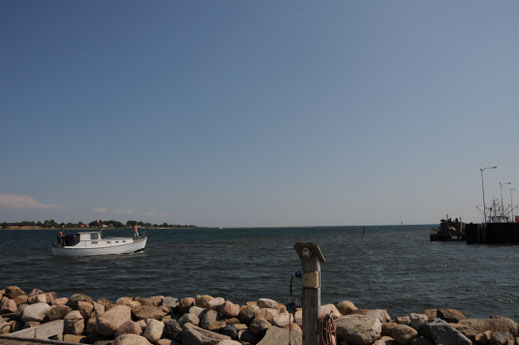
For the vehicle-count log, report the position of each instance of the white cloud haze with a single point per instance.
(24, 202)
(129, 212)
(118, 211)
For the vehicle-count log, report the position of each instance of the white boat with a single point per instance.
(92, 243)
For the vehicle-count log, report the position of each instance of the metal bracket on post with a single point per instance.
(311, 259)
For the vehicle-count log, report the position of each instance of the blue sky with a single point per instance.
(256, 113)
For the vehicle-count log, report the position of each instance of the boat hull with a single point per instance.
(124, 248)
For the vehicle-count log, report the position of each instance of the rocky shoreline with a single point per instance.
(206, 320)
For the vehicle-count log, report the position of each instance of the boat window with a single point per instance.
(124, 241)
(94, 242)
(116, 241)
(94, 236)
(107, 241)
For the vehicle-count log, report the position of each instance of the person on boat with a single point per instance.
(61, 238)
(100, 229)
(135, 231)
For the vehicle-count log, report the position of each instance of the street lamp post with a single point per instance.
(483, 189)
(501, 184)
(512, 204)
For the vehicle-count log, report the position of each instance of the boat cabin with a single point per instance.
(89, 236)
(94, 239)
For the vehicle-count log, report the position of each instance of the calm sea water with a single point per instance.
(392, 267)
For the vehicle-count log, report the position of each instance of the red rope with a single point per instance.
(327, 330)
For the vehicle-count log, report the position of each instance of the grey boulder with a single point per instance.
(194, 335)
(404, 334)
(418, 320)
(494, 324)
(281, 336)
(74, 323)
(188, 318)
(35, 312)
(358, 329)
(258, 327)
(170, 302)
(142, 312)
(72, 301)
(58, 312)
(131, 339)
(111, 320)
(440, 332)
(153, 331)
(380, 314)
(501, 338)
(173, 330)
(129, 327)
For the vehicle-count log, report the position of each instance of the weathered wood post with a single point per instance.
(311, 258)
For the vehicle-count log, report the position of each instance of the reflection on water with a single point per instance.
(392, 267)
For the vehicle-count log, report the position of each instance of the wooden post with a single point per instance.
(311, 259)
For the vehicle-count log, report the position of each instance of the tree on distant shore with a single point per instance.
(115, 224)
(49, 224)
(95, 223)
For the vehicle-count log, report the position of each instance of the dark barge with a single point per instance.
(489, 233)
(492, 233)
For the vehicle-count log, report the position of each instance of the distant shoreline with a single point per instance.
(186, 227)
(95, 228)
